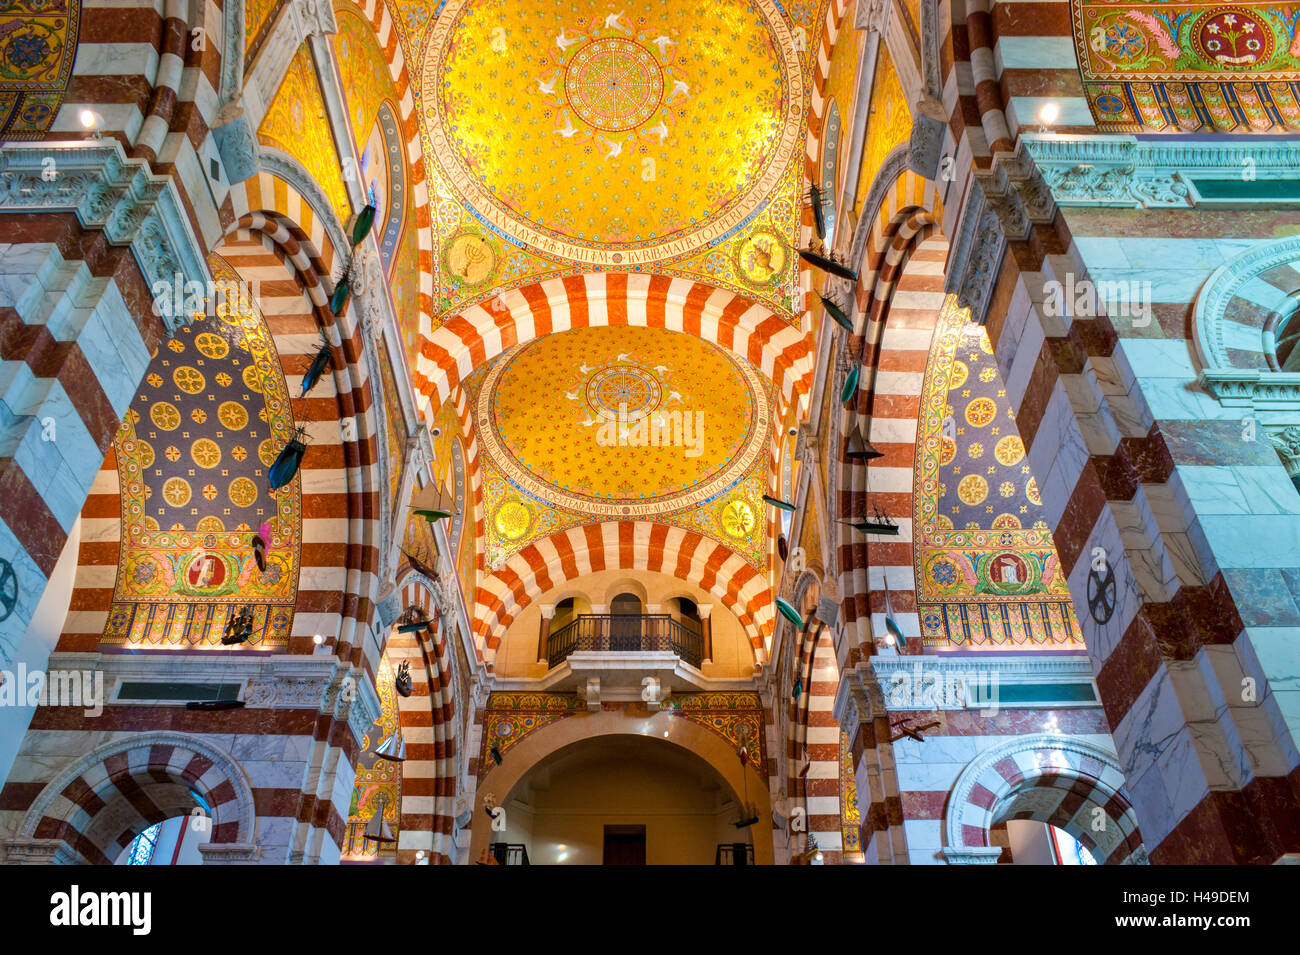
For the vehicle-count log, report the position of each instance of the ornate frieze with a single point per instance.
(1152, 174)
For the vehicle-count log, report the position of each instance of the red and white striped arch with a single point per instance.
(376, 11)
(625, 545)
(428, 721)
(897, 305)
(278, 233)
(478, 334)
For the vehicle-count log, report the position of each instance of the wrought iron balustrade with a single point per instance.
(625, 632)
(509, 853)
(734, 853)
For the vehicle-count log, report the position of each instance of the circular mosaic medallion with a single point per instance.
(1031, 492)
(626, 390)
(613, 84)
(206, 453)
(512, 520)
(959, 373)
(1005, 522)
(471, 259)
(943, 573)
(1233, 38)
(243, 492)
(736, 518)
(623, 421)
(252, 378)
(972, 489)
(980, 412)
(212, 345)
(592, 101)
(164, 415)
(761, 258)
(267, 452)
(189, 380)
(505, 729)
(1010, 450)
(176, 491)
(232, 415)
(1009, 571)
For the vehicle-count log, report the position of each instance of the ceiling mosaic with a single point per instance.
(1185, 67)
(295, 123)
(652, 130)
(986, 565)
(643, 137)
(622, 422)
(38, 42)
(889, 125)
(212, 414)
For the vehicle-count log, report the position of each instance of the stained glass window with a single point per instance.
(143, 846)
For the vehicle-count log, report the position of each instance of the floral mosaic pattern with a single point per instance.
(1185, 67)
(193, 451)
(986, 564)
(38, 41)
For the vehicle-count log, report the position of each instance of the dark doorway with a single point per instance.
(625, 623)
(624, 845)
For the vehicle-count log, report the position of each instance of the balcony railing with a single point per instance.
(509, 853)
(734, 853)
(625, 632)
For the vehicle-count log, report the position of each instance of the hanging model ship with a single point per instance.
(239, 627)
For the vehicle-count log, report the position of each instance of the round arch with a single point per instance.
(431, 722)
(1062, 781)
(902, 227)
(632, 545)
(279, 228)
(718, 752)
(102, 800)
(481, 332)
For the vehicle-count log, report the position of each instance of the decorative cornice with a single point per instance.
(107, 191)
(1154, 173)
(968, 682)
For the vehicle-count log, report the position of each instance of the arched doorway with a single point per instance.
(563, 784)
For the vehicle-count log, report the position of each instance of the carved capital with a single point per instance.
(857, 699)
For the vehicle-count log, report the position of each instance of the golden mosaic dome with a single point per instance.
(622, 421)
(613, 138)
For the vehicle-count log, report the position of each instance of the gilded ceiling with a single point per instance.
(612, 138)
(644, 136)
(621, 422)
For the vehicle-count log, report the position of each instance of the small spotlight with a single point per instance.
(318, 639)
(889, 639)
(87, 119)
(819, 857)
(1048, 114)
